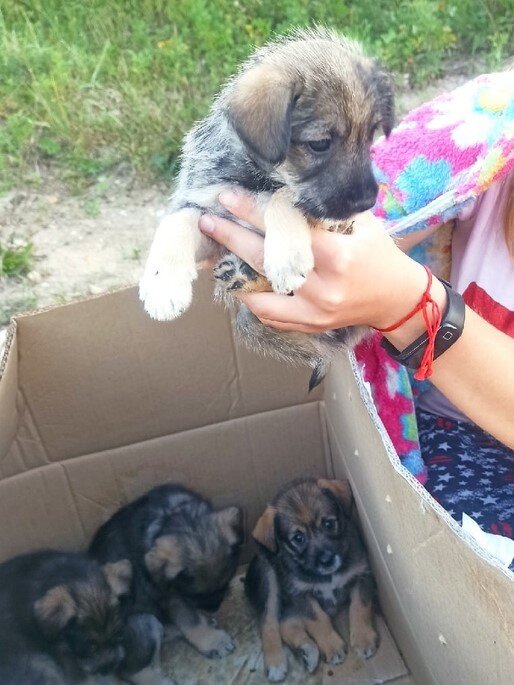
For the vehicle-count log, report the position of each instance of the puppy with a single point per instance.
(309, 564)
(184, 555)
(59, 618)
(294, 126)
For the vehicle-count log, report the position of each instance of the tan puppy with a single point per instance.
(295, 126)
(309, 565)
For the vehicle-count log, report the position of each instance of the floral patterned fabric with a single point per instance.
(440, 157)
(446, 153)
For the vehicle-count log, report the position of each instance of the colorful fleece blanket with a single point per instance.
(440, 158)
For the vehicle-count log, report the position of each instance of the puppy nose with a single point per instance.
(363, 202)
(325, 558)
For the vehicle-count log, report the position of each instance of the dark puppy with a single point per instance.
(295, 127)
(59, 618)
(184, 554)
(310, 563)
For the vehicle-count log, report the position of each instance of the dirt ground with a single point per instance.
(93, 243)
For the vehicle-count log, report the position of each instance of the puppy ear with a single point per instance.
(55, 609)
(260, 110)
(164, 560)
(341, 490)
(118, 575)
(264, 531)
(230, 522)
(384, 94)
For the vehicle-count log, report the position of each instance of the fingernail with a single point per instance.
(206, 223)
(228, 198)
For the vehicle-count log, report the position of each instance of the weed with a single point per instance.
(91, 204)
(15, 260)
(92, 207)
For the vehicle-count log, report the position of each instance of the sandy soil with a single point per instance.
(94, 243)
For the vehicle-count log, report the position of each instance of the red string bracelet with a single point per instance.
(432, 324)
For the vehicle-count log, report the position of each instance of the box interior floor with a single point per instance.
(98, 403)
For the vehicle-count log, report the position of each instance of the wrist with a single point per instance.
(402, 336)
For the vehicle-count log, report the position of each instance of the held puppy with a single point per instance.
(184, 555)
(59, 618)
(310, 563)
(294, 126)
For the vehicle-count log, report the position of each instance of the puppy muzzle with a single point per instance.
(327, 562)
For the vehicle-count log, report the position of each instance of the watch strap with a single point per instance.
(449, 332)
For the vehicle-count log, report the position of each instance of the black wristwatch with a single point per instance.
(450, 331)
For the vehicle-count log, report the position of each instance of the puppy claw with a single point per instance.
(310, 656)
(335, 652)
(220, 645)
(278, 672)
(365, 642)
(289, 276)
(166, 294)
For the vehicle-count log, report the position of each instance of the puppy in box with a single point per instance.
(294, 126)
(60, 622)
(184, 554)
(310, 563)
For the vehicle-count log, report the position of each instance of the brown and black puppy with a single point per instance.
(310, 563)
(294, 126)
(59, 618)
(184, 554)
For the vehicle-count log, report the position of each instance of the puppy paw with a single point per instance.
(166, 292)
(217, 644)
(277, 671)
(334, 649)
(232, 275)
(288, 272)
(310, 656)
(364, 641)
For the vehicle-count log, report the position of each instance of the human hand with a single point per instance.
(358, 279)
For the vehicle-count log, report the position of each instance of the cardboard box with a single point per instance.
(98, 403)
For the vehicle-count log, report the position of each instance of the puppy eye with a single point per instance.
(319, 145)
(329, 524)
(298, 537)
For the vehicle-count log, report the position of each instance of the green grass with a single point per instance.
(87, 84)
(15, 260)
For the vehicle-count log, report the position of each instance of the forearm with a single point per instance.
(476, 374)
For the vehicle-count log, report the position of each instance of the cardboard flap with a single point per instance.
(451, 611)
(99, 374)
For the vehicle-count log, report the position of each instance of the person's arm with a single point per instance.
(365, 279)
(476, 373)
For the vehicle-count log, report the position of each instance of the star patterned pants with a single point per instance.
(468, 471)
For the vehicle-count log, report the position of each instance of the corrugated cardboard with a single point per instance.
(98, 403)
